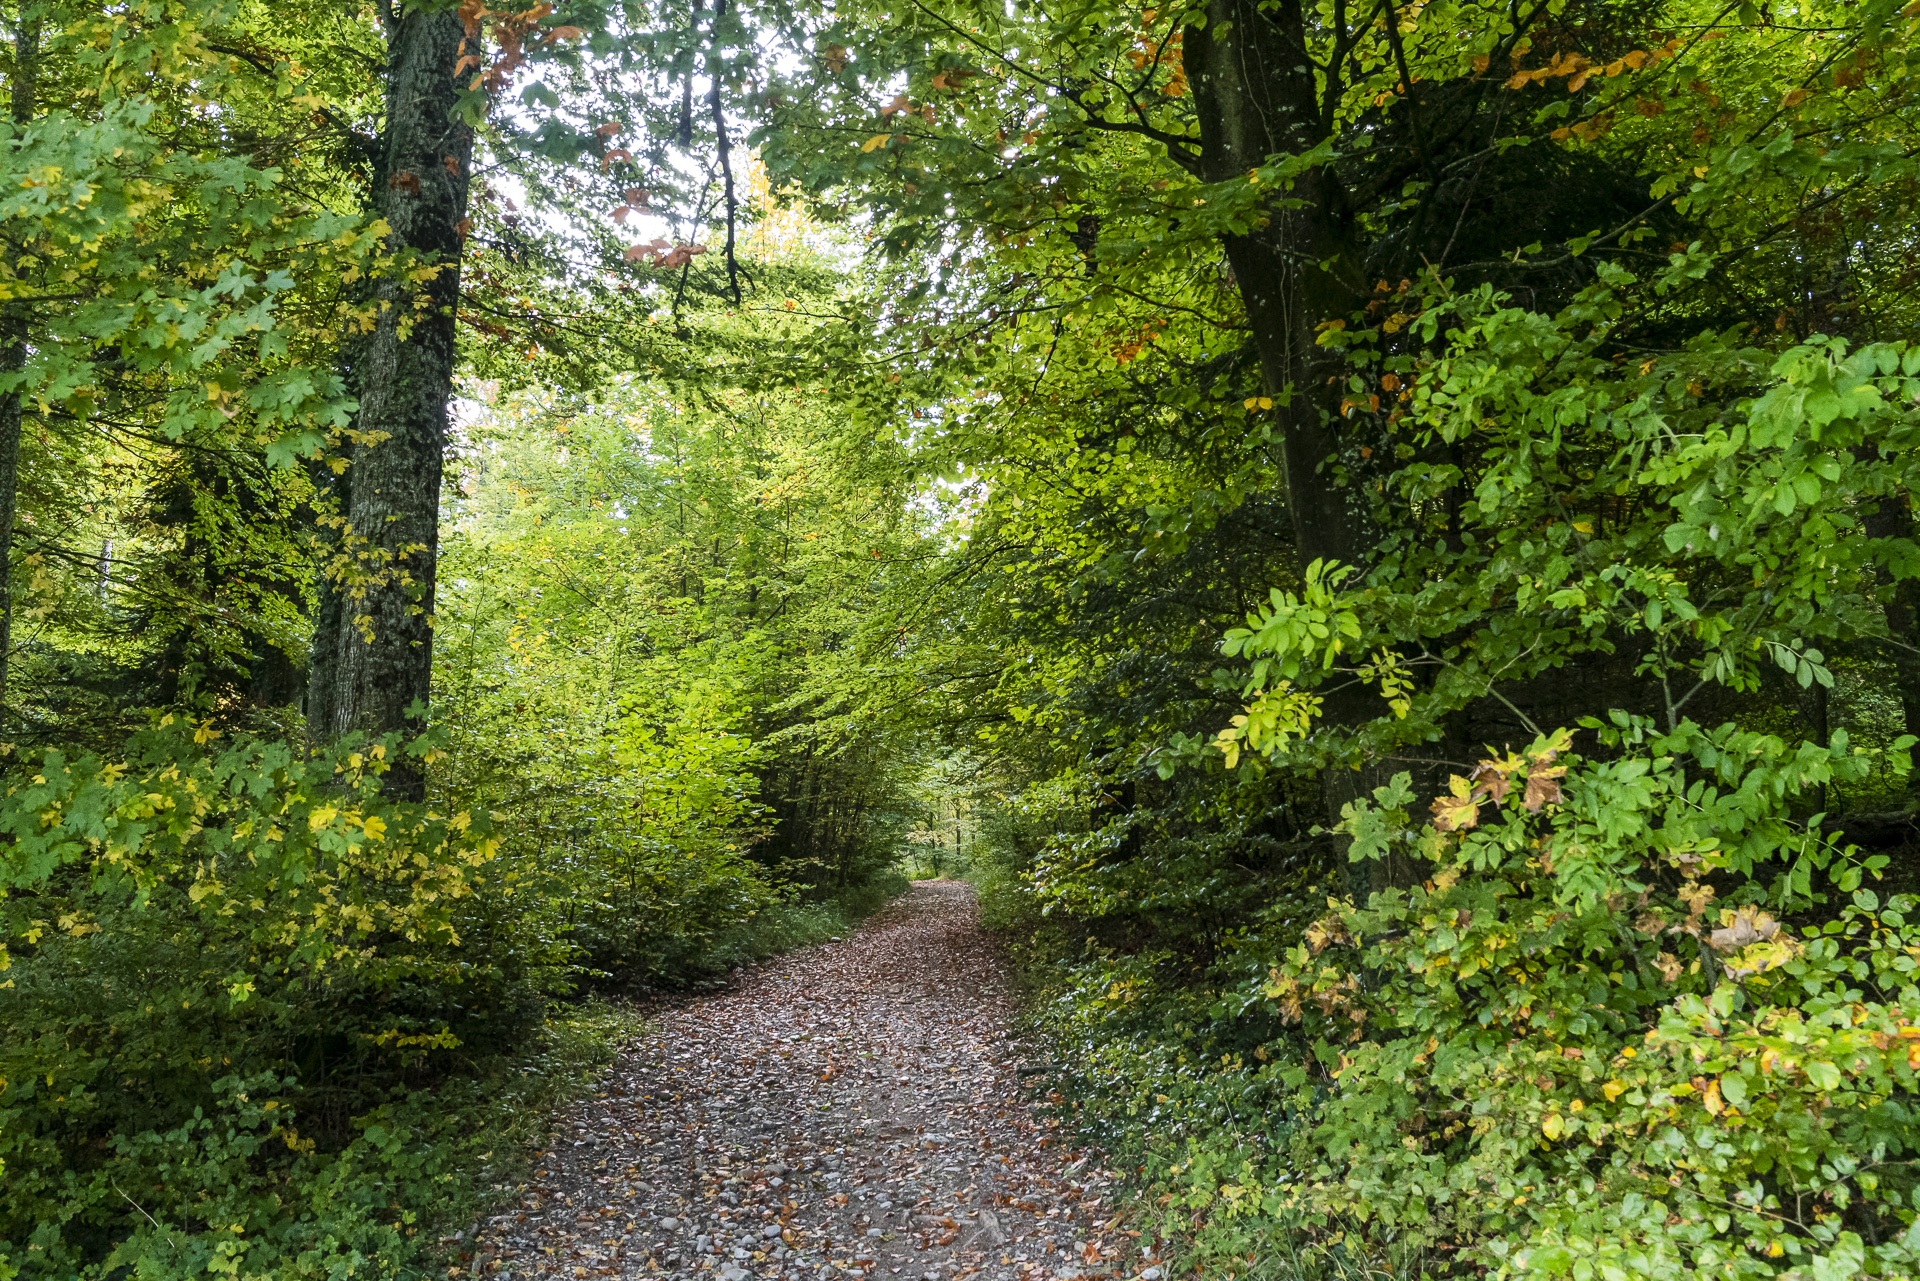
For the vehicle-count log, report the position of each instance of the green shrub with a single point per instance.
(1635, 1022)
(228, 973)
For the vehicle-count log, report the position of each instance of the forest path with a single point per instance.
(848, 1110)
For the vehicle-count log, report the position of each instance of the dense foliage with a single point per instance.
(1381, 535)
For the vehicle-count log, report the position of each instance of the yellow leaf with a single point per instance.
(1711, 1098)
(1613, 1089)
(877, 141)
(320, 818)
(376, 828)
(1554, 1126)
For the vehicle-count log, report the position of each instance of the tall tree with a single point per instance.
(23, 89)
(373, 637)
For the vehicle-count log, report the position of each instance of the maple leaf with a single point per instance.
(1459, 809)
(679, 256)
(1696, 896)
(1543, 788)
(1493, 779)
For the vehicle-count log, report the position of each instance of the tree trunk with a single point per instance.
(13, 359)
(373, 642)
(1891, 518)
(1255, 99)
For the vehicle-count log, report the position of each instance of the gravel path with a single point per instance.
(848, 1110)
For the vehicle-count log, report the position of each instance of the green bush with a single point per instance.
(256, 1017)
(228, 973)
(1635, 1022)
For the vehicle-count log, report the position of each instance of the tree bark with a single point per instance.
(1892, 518)
(1257, 95)
(373, 644)
(25, 93)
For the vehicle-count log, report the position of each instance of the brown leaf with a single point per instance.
(1741, 927)
(1491, 778)
(1543, 789)
(680, 256)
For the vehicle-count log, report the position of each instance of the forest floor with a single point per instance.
(847, 1110)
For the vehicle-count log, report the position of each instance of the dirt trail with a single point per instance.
(849, 1110)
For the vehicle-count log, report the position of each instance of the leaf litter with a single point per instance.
(851, 1110)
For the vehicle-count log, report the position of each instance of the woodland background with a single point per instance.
(1380, 535)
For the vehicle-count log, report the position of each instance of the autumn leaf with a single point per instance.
(1543, 788)
(1459, 809)
(1493, 779)
(877, 141)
